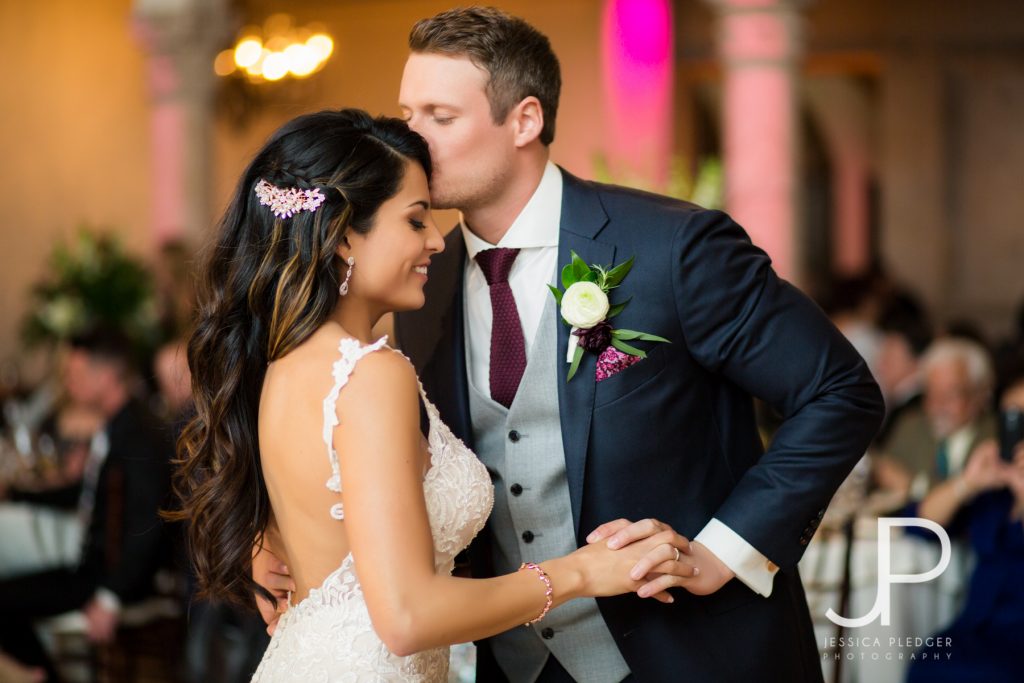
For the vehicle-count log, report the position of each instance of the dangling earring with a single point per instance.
(343, 289)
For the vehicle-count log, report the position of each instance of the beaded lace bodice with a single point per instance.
(328, 636)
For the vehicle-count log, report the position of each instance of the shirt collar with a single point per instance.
(961, 439)
(536, 225)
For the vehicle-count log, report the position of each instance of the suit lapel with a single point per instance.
(463, 426)
(583, 218)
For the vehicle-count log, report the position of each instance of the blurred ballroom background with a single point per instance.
(873, 148)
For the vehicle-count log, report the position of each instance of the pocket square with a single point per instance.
(612, 361)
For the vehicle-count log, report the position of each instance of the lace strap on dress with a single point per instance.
(431, 409)
(351, 351)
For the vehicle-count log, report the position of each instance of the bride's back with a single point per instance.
(295, 460)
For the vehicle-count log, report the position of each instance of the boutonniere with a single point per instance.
(586, 308)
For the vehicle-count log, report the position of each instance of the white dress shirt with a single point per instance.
(535, 233)
(958, 447)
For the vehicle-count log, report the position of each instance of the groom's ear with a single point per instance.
(527, 120)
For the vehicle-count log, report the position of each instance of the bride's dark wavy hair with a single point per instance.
(266, 285)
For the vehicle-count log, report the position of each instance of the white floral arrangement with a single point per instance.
(93, 281)
(585, 306)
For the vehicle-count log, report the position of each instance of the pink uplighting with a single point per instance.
(637, 49)
(758, 127)
(758, 155)
(644, 30)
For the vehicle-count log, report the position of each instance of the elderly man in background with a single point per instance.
(928, 446)
(931, 444)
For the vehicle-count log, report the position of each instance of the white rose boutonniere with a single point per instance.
(586, 307)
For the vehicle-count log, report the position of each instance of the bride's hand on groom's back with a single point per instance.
(693, 567)
(270, 572)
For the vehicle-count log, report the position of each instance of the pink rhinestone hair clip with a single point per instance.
(285, 202)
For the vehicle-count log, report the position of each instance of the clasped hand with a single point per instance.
(671, 561)
(676, 563)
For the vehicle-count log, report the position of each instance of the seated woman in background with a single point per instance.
(987, 499)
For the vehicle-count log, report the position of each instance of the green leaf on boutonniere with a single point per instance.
(567, 276)
(576, 358)
(618, 308)
(590, 276)
(642, 336)
(626, 348)
(558, 294)
(617, 274)
(579, 267)
(625, 335)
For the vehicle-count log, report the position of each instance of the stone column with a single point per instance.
(181, 37)
(759, 43)
(843, 112)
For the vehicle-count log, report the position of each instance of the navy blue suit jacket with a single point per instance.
(674, 437)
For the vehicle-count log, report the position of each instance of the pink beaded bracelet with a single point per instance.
(548, 593)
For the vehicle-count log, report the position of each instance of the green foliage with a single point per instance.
(577, 356)
(93, 281)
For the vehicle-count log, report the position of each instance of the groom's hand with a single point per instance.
(696, 569)
(271, 573)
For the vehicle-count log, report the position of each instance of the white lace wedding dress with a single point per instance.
(328, 637)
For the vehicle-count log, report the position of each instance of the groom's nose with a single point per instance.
(413, 122)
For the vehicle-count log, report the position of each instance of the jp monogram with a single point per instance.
(886, 578)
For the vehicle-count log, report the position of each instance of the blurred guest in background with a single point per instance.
(173, 380)
(38, 521)
(987, 499)
(174, 274)
(906, 334)
(932, 444)
(854, 307)
(125, 483)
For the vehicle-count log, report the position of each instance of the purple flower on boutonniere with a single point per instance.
(597, 338)
(585, 306)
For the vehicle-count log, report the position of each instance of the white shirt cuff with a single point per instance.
(108, 600)
(750, 566)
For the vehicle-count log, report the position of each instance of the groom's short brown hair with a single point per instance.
(517, 57)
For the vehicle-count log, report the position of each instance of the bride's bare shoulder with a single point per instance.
(310, 363)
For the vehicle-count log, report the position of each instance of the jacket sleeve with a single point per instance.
(740, 320)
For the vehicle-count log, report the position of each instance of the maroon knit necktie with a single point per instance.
(508, 348)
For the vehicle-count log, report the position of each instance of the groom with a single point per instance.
(671, 437)
(669, 440)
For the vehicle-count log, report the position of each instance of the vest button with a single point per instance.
(513, 436)
(528, 536)
(547, 633)
(516, 489)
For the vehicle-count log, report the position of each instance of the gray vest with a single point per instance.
(532, 517)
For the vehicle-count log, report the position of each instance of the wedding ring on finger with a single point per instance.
(677, 552)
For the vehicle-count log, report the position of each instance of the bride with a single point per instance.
(309, 429)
